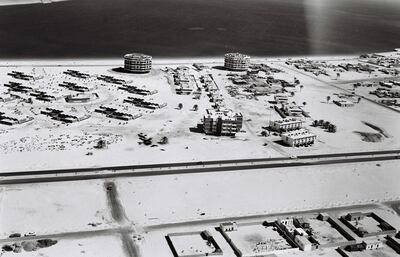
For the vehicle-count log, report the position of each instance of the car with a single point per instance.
(30, 234)
(14, 235)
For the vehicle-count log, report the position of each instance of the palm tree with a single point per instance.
(195, 107)
(328, 98)
(180, 106)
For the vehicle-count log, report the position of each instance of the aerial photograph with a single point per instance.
(196, 128)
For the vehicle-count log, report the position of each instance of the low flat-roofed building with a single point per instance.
(303, 243)
(343, 103)
(372, 244)
(293, 110)
(281, 98)
(286, 124)
(228, 226)
(300, 137)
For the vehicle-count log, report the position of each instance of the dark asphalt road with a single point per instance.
(118, 214)
(314, 160)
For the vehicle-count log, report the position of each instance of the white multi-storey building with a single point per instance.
(138, 63)
(300, 137)
(222, 123)
(286, 124)
(237, 61)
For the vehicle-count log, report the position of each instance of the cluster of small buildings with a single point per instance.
(10, 120)
(18, 87)
(222, 122)
(111, 79)
(382, 60)
(372, 234)
(390, 83)
(285, 235)
(74, 87)
(314, 67)
(386, 92)
(137, 63)
(45, 96)
(135, 90)
(61, 115)
(139, 102)
(360, 223)
(256, 85)
(114, 113)
(359, 67)
(184, 82)
(20, 91)
(261, 67)
(76, 74)
(20, 75)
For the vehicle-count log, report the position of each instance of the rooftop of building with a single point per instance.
(137, 56)
(298, 134)
(225, 114)
(287, 120)
(237, 56)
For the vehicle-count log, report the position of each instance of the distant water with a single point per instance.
(179, 28)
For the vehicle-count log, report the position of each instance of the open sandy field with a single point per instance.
(254, 192)
(53, 208)
(102, 246)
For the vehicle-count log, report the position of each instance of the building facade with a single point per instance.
(292, 110)
(300, 137)
(237, 61)
(222, 123)
(287, 124)
(137, 63)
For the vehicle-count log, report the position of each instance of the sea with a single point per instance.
(198, 28)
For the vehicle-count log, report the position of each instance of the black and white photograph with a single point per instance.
(199, 128)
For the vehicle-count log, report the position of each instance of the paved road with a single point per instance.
(101, 173)
(126, 230)
(65, 235)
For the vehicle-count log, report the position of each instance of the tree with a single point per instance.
(195, 107)
(326, 124)
(292, 93)
(163, 141)
(264, 133)
(315, 123)
(332, 128)
(328, 98)
(301, 87)
(359, 99)
(304, 103)
(180, 106)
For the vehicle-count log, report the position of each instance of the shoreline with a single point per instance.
(156, 61)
